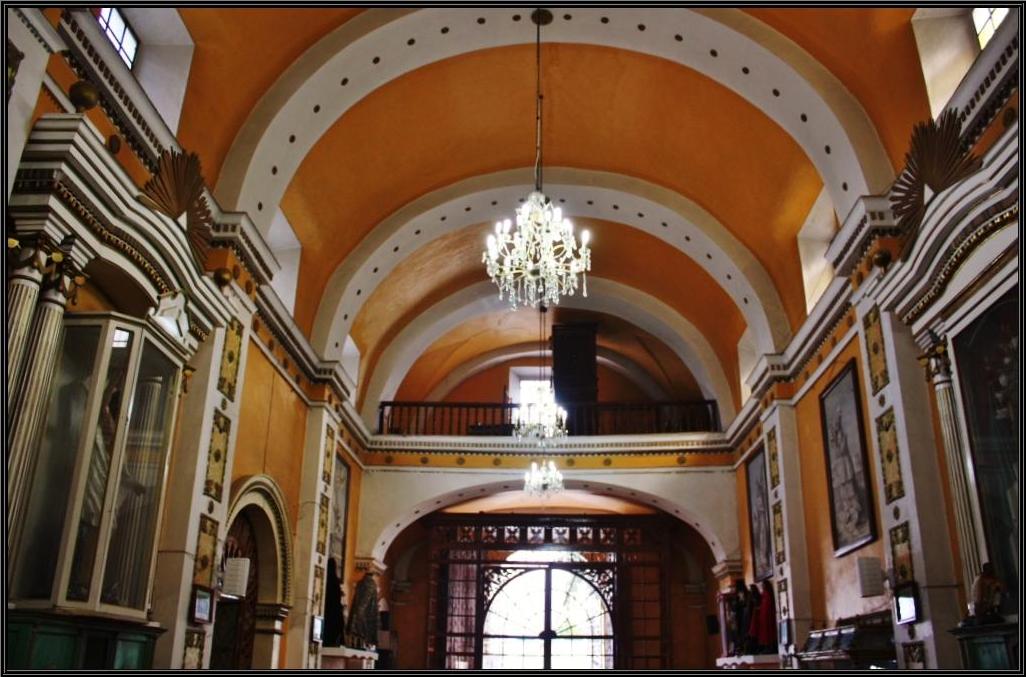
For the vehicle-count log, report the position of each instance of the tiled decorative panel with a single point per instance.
(322, 526)
(229, 375)
(774, 458)
(878, 376)
(901, 553)
(217, 457)
(890, 459)
(778, 532)
(206, 550)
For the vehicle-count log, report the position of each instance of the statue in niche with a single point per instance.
(986, 596)
(334, 607)
(363, 617)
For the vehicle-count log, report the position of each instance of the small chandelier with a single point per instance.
(540, 260)
(544, 479)
(545, 420)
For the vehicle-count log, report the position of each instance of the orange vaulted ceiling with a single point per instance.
(504, 328)
(619, 253)
(239, 54)
(605, 109)
(873, 52)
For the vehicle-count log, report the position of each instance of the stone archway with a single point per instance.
(257, 517)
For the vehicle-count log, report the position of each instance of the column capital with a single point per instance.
(61, 275)
(936, 361)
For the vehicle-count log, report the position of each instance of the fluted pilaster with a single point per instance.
(938, 369)
(22, 297)
(32, 393)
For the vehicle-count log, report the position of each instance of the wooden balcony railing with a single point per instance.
(589, 418)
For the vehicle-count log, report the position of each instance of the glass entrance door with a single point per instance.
(546, 616)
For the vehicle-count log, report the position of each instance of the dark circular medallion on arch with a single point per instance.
(541, 17)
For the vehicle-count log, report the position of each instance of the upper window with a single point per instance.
(986, 20)
(119, 33)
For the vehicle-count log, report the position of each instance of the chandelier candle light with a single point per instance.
(543, 480)
(539, 260)
(542, 420)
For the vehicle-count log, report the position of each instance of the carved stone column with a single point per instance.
(787, 527)
(270, 622)
(32, 394)
(27, 263)
(312, 534)
(938, 371)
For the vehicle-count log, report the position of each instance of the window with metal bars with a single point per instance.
(120, 34)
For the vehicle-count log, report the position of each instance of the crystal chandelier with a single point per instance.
(543, 479)
(539, 260)
(543, 420)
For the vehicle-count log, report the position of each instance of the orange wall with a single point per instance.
(832, 580)
(272, 429)
(744, 531)
(489, 385)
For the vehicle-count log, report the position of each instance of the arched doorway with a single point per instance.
(247, 630)
(548, 591)
(235, 624)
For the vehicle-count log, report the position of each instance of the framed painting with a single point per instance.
(847, 467)
(758, 516)
(339, 513)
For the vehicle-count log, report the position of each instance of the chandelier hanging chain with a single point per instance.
(538, 259)
(537, 110)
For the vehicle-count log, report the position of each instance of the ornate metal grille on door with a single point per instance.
(541, 592)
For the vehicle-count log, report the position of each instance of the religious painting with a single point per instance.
(987, 358)
(229, 375)
(774, 460)
(848, 480)
(876, 356)
(901, 554)
(890, 461)
(339, 513)
(758, 516)
(778, 532)
(217, 456)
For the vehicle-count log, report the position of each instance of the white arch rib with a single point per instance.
(603, 195)
(703, 498)
(604, 296)
(373, 49)
(611, 359)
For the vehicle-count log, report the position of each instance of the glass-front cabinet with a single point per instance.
(88, 541)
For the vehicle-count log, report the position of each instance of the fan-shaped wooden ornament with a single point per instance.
(177, 188)
(935, 160)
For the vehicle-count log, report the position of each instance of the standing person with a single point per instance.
(765, 621)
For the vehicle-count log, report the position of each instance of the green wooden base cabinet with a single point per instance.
(40, 641)
(989, 647)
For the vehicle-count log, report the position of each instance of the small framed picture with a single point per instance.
(317, 629)
(201, 608)
(906, 602)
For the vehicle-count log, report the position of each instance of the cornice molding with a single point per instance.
(40, 28)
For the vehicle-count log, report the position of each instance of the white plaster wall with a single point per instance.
(813, 241)
(164, 58)
(285, 246)
(393, 498)
(947, 43)
(747, 356)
